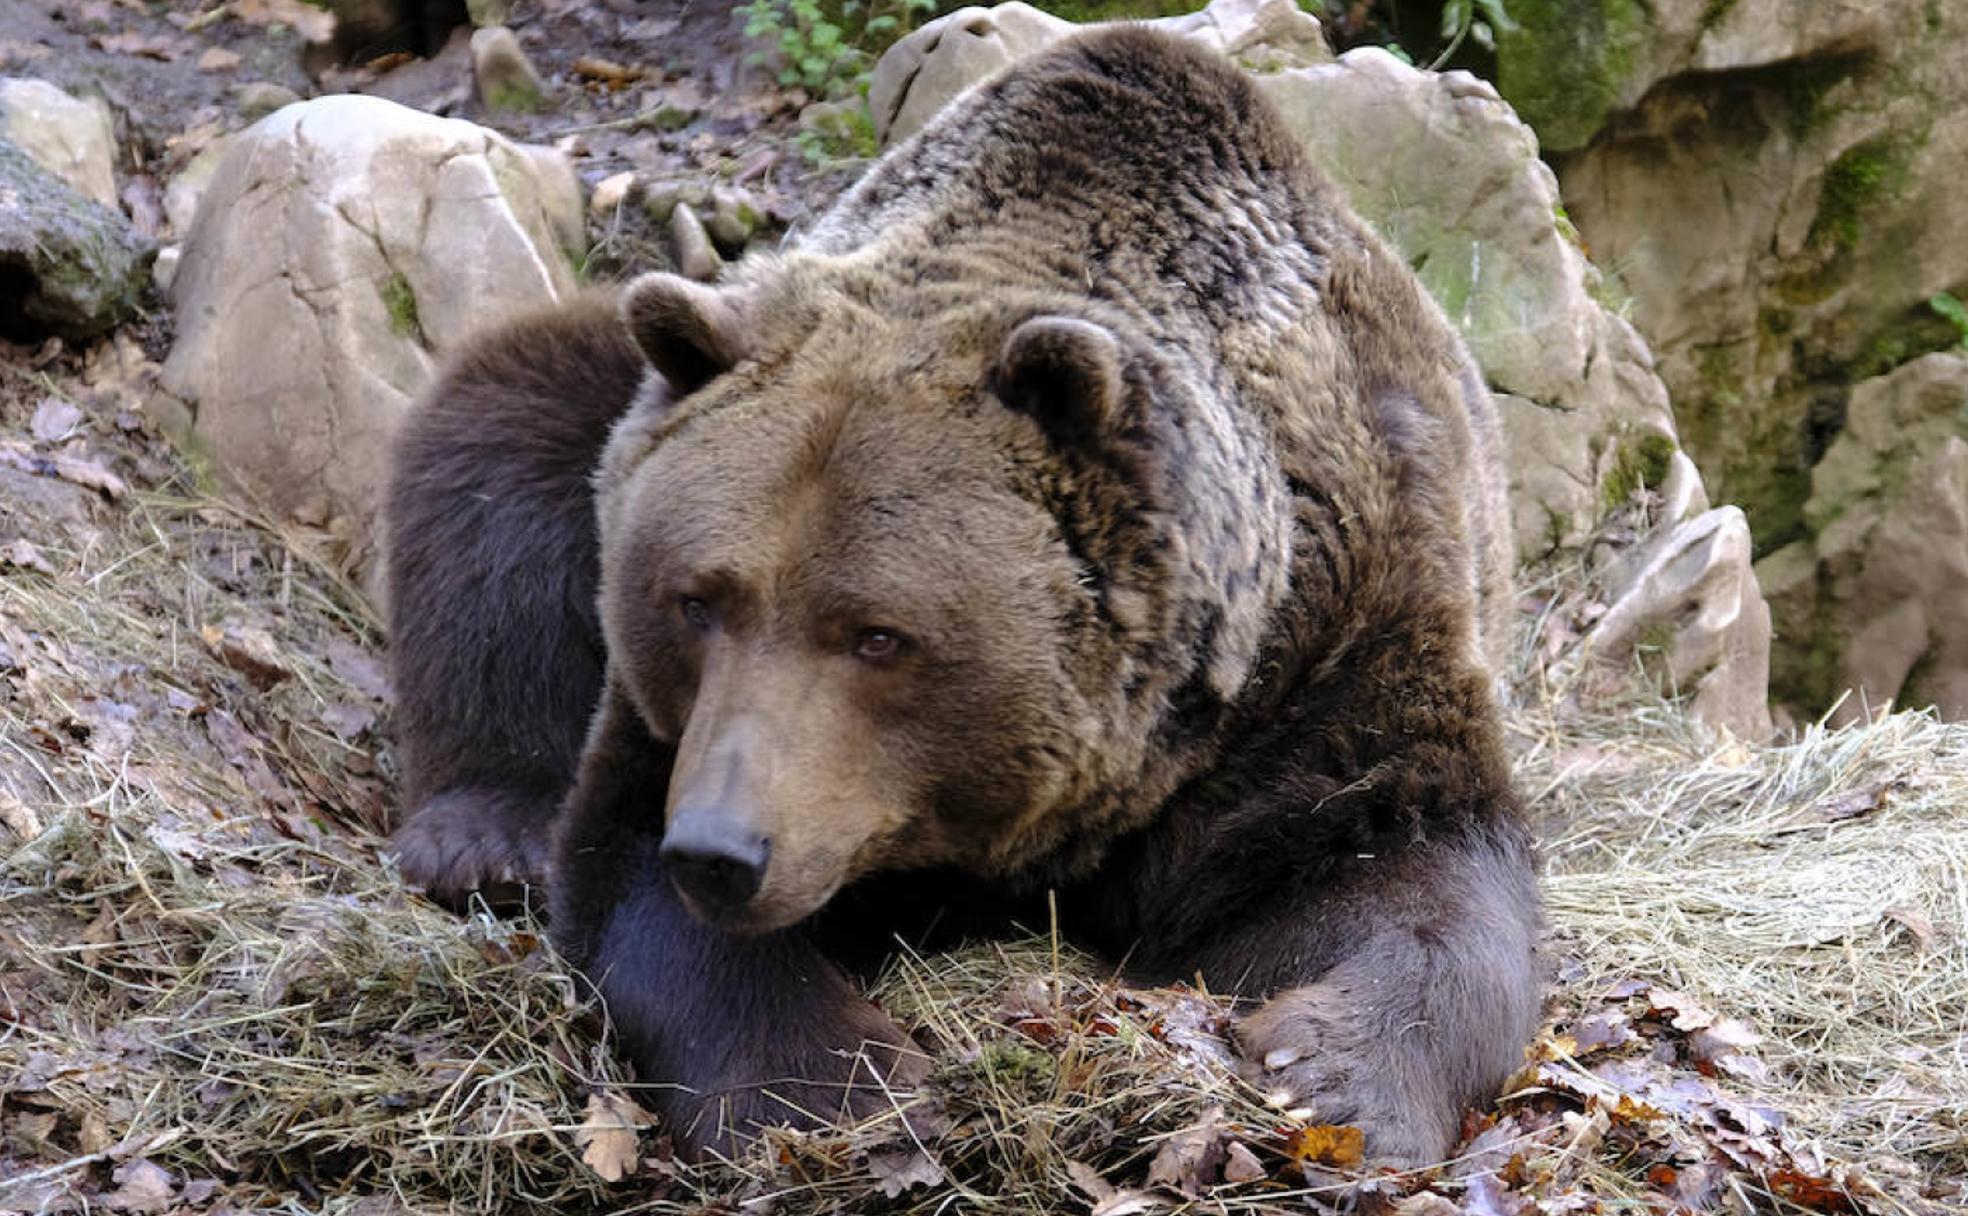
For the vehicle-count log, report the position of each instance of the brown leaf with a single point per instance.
(1240, 1165)
(1917, 923)
(607, 70)
(359, 669)
(248, 650)
(23, 554)
(1192, 1159)
(1328, 1144)
(161, 47)
(140, 1187)
(1685, 1012)
(899, 1172)
(346, 720)
(1088, 1179)
(311, 23)
(609, 1139)
(1725, 1037)
(1812, 1191)
(218, 59)
(88, 473)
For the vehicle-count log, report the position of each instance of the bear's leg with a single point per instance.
(731, 1033)
(1422, 1005)
(491, 553)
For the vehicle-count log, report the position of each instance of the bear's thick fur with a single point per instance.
(1089, 503)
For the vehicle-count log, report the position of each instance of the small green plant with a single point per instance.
(827, 47)
(1953, 311)
(1481, 20)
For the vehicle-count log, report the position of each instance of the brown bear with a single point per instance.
(1088, 504)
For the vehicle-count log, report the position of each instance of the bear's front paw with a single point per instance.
(1321, 1050)
(472, 840)
(809, 1079)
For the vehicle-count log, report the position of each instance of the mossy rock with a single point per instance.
(68, 265)
(1566, 65)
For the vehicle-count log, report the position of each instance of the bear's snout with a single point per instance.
(716, 861)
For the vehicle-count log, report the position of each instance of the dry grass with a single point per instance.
(215, 994)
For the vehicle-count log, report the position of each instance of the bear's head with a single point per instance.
(910, 578)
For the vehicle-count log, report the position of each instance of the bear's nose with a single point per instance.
(714, 860)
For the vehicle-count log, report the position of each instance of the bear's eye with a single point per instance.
(696, 612)
(879, 646)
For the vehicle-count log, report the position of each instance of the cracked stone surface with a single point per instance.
(1880, 587)
(341, 247)
(71, 137)
(72, 266)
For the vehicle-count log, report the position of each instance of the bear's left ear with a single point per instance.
(1064, 372)
(688, 331)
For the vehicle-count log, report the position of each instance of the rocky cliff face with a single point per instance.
(1776, 188)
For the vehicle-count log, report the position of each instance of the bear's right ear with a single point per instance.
(1064, 372)
(687, 331)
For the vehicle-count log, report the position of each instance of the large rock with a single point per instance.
(1879, 590)
(1569, 64)
(72, 267)
(1690, 605)
(342, 246)
(1780, 186)
(922, 72)
(1450, 176)
(71, 137)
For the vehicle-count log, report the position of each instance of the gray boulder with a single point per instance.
(1880, 587)
(71, 137)
(74, 267)
(341, 247)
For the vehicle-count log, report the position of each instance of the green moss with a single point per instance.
(1804, 87)
(1641, 464)
(401, 302)
(1859, 177)
(1566, 64)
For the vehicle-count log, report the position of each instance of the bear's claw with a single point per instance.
(474, 841)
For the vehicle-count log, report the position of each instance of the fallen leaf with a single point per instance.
(141, 1186)
(1327, 1144)
(90, 474)
(1811, 1191)
(1427, 1203)
(1916, 923)
(1241, 1165)
(607, 70)
(23, 554)
(161, 47)
(609, 1139)
(249, 650)
(899, 1172)
(1088, 1179)
(1191, 1161)
(1684, 1012)
(54, 420)
(37, 1126)
(348, 721)
(218, 59)
(1601, 1032)
(311, 23)
(359, 669)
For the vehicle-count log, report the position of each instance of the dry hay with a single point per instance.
(216, 996)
